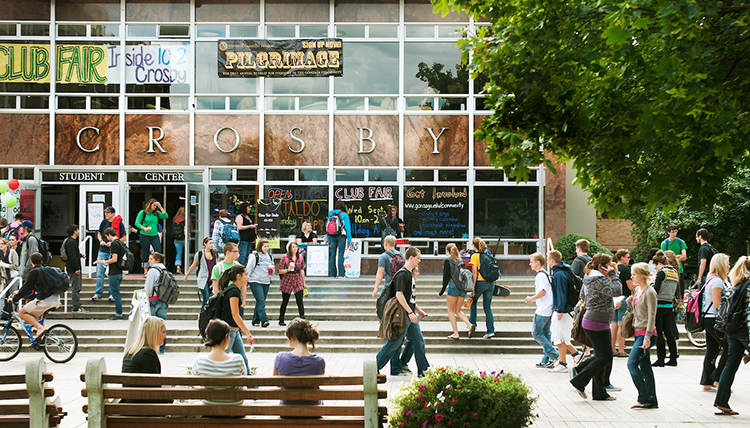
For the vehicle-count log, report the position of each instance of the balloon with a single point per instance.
(11, 201)
(2, 198)
(3, 186)
(13, 184)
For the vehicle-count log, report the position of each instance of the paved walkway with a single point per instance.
(680, 397)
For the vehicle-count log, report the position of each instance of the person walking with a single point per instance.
(622, 258)
(483, 289)
(456, 297)
(715, 341)
(338, 234)
(158, 307)
(230, 284)
(388, 225)
(205, 260)
(147, 223)
(178, 237)
(666, 285)
(111, 219)
(73, 266)
(562, 320)
(643, 304)
(218, 231)
(260, 267)
(29, 246)
(247, 228)
(292, 273)
(600, 285)
(117, 252)
(543, 314)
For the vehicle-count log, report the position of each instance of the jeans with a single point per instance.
(639, 365)
(484, 289)
(664, 327)
(598, 367)
(735, 350)
(540, 332)
(714, 343)
(414, 334)
(114, 291)
(298, 296)
(159, 309)
(338, 245)
(100, 269)
(205, 293)
(245, 247)
(75, 288)
(179, 247)
(146, 242)
(236, 346)
(260, 293)
(401, 359)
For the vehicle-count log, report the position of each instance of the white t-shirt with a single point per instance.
(708, 307)
(543, 305)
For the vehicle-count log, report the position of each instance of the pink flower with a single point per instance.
(408, 413)
(460, 372)
(422, 388)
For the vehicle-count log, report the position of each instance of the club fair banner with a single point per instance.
(281, 58)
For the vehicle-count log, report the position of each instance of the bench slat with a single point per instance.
(236, 394)
(260, 422)
(21, 378)
(14, 421)
(250, 381)
(140, 409)
(23, 409)
(18, 393)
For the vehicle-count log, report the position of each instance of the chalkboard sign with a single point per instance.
(436, 212)
(298, 204)
(268, 220)
(365, 205)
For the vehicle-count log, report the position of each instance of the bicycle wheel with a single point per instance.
(698, 339)
(60, 343)
(10, 344)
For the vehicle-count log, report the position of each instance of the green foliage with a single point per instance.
(566, 245)
(455, 397)
(647, 99)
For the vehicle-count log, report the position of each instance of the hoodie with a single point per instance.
(347, 223)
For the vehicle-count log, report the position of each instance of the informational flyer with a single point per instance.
(353, 258)
(317, 260)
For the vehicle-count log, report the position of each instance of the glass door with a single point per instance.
(194, 207)
(93, 200)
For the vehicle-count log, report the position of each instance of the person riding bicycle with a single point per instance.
(44, 301)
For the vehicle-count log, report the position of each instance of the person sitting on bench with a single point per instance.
(217, 362)
(299, 362)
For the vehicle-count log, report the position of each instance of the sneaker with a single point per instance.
(405, 369)
(552, 363)
(580, 392)
(114, 317)
(541, 365)
(610, 398)
(612, 388)
(95, 297)
(403, 374)
(560, 368)
(572, 372)
(80, 310)
(488, 336)
(578, 357)
(111, 299)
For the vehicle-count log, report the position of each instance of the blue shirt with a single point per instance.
(347, 223)
(560, 289)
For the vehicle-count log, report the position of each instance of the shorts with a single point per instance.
(453, 291)
(560, 329)
(37, 308)
(620, 312)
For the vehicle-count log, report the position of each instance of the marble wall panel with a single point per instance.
(25, 139)
(555, 201)
(106, 142)
(278, 143)
(453, 143)
(157, 10)
(25, 10)
(175, 140)
(227, 11)
(346, 140)
(247, 152)
(366, 11)
(481, 158)
(297, 10)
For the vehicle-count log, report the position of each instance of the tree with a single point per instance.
(648, 99)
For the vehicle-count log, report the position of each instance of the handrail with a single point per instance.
(5, 290)
(89, 254)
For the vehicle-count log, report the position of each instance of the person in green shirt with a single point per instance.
(231, 254)
(147, 224)
(676, 245)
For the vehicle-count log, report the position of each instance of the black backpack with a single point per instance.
(63, 251)
(575, 283)
(732, 314)
(56, 282)
(387, 294)
(488, 267)
(127, 260)
(211, 311)
(167, 289)
(178, 231)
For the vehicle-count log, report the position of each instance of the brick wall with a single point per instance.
(614, 234)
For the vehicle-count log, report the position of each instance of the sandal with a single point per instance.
(725, 411)
(472, 329)
(453, 337)
(40, 335)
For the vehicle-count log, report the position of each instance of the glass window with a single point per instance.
(210, 103)
(169, 72)
(211, 30)
(280, 103)
(247, 174)
(243, 103)
(173, 103)
(355, 31)
(157, 10)
(207, 74)
(296, 85)
(480, 104)
(313, 31)
(7, 29)
(353, 103)
(431, 68)
(450, 31)
(27, 10)
(313, 175)
(8, 101)
(107, 103)
(174, 30)
(366, 10)
(382, 175)
(142, 103)
(420, 31)
(3, 173)
(34, 102)
(383, 31)
(451, 103)
(87, 10)
(104, 78)
(243, 31)
(141, 30)
(105, 30)
(452, 175)
(383, 103)
(420, 103)
(221, 174)
(361, 77)
(421, 11)
(280, 174)
(23, 173)
(280, 31)
(24, 87)
(297, 10)
(510, 212)
(490, 175)
(227, 11)
(350, 175)
(35, 30)
(313, 103)
(71, 102)
(532, 177)
(420, 175)
(71, 30)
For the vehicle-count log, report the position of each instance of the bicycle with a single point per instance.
(698, 339)
(58, 342)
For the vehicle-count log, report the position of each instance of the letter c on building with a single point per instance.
(236, 140)
(78, 139)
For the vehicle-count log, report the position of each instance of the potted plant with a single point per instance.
(456, 397)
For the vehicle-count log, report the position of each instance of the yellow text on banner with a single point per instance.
(30, 63)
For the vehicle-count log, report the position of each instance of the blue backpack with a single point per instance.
(229, 232)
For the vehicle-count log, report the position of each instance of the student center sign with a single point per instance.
(209, 103)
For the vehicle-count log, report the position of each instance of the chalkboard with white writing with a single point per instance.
(298, 204)
(365, 204)
(436, 212)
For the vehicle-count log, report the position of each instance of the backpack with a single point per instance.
(335, 224)
(575, 283)
(397, 262)
(127, 260)
(732, 313)
(694, 313)
(488, 268)
(211, 310)
(57, 281)
(229, 232)
(63, 251)
(462, 277)
(387, 230)
(12, 231)
(43, 247)
(178, 231)
(167, 289)
(387, 294)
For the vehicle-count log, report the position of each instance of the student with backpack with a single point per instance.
(562, 309)
(222, 236)
(457, 284)
(338, 234)
(543, 314)
(230, 284)
(159, 308)
(711, 296)
(46, 299)
(72, 256)
(204, 260)
(178, 237)
(484, 287)
(260, 267)
(29, 246)
(114, 279)
(147, 223)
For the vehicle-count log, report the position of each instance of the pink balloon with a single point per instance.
(13, 184)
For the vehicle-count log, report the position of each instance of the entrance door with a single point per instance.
(93, 200)
(196, 229)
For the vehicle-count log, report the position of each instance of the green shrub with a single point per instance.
(455, 397)
(566, 245)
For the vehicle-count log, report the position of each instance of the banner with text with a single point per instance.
(281, 58)
(436, 211)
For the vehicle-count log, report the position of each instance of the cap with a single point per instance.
(110, 210)
(27, 224)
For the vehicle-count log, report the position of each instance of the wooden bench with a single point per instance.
(29, 394)
(348, 401)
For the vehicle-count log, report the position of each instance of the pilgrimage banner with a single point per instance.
(280, 58)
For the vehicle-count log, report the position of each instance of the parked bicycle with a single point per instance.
(58, 342)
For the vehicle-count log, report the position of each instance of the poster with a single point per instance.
(353, 258)
(317, 260)
(298, 204)
(365, 205)
(436, 211)
(95, 212)
(140, 310)
(268, 221)
(280, 58)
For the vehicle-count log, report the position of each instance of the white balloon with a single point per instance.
(2, 198)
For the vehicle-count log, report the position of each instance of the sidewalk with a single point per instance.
(681, 399)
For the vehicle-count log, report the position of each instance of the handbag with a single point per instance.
(577, 333)
(626, 325)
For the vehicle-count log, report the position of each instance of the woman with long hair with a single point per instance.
(8, 260)
(247, 227)
(299, 362)
(718, 271)
(143, 354)
(600, 285)
(229, 286)
(260, 267)
(483, 289)
(643, 303)
(622, 258)
(337, 241)
(292, 273)
(388, 225)
(666, 286)
(205, 260)
(737, 342)
(456, 297)
(217, 362)
(178, 237)
(147, 223)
